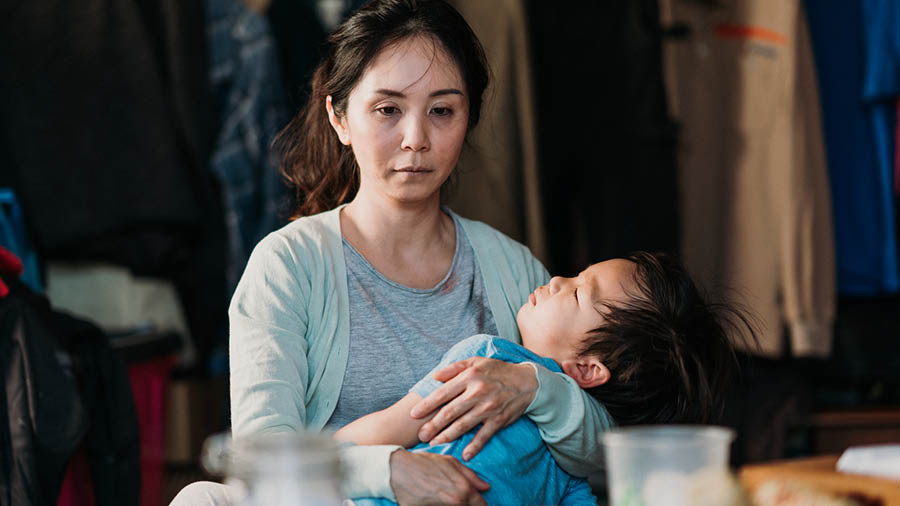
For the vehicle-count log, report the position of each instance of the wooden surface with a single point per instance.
(835, 431)
(820, 474)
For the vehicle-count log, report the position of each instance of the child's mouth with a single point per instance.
(532, 299)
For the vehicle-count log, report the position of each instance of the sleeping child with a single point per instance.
(635, 333)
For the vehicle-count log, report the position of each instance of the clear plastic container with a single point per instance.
(667, 465)
(277, 469)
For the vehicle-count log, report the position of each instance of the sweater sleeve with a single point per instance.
(267, 344)
(269, 367)
(367, 471)
(807, 247)
(570, 421)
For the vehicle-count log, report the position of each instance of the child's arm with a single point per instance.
(391, 425)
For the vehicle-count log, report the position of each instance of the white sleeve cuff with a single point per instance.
(367, 470)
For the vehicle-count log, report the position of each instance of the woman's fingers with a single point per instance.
(438, 398)
(481, 389)
(485, 433)
(427, 478)
(459, 406)
(460, 425)
(448, 373)
(473, 478)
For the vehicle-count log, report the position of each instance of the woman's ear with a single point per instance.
(338, 123)
(587, 371)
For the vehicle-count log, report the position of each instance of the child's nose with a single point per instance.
(555, 284)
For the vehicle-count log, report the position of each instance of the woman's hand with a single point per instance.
(476, 390)
(428, 478)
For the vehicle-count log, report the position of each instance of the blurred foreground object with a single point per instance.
(289, 469)
(881, 461)
(818, 474)
(669, 465)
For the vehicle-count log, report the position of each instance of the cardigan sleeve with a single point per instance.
(267, 343)
(269, 366)
(570, 421)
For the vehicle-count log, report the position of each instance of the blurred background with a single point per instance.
(755, 139)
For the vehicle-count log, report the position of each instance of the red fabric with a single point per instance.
(9, 264)
(148, 384)
(77, 488)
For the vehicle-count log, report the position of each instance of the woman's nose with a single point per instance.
(415, 135)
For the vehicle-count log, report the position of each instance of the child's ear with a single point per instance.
(337, 123)
(588, 372)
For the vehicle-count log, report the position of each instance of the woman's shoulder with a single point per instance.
(484, 234)
(298, 249)
(493, 245)
(319, 232)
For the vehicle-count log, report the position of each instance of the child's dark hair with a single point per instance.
(669, 350)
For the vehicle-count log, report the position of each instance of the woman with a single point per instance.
(340, 312)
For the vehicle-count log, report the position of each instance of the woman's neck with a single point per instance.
(412, 244)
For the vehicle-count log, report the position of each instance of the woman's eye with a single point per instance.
(442, 111)
(388, 110)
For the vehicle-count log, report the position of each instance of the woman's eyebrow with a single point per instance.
(436, 93)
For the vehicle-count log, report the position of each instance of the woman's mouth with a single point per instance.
(413, 170)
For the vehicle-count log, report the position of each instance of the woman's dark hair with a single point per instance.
(323, 171)
(670, 351)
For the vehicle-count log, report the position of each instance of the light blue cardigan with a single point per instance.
(290, 328)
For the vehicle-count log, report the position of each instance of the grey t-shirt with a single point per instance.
(398, 334)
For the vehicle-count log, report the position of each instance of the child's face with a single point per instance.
(557, 316)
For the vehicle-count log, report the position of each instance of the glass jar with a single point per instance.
(277, 469)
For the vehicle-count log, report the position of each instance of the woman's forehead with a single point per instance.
(413, 62)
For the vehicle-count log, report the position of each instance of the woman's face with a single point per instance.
(406, 121)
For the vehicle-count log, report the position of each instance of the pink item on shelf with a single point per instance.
(148, 383)
(77, 488)
(149, 380)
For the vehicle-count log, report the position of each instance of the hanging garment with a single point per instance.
(857, 59)
(754, 184)
(300, 38)
(63, 388)
(249, 97)
(897, 154)
(14, 237)
(105, 128)
(105, 135)
(606, 143)
(498, 173)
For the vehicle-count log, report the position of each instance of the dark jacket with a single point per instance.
(64, 387)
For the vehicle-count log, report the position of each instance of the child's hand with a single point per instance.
(476, 391)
